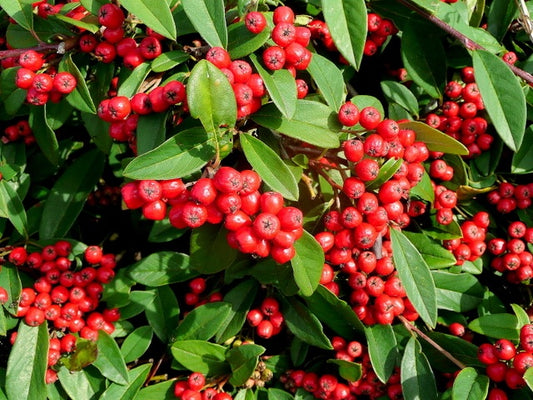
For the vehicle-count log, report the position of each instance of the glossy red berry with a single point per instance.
(255, 22)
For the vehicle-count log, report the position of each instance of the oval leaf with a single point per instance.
(131, 84)
(497, 326)
(434, 139)
(383, 350)
(110, 361)
(136, 343)
(457, 292)
(397, 93)
(162, 268)
(329, 80)
(470, 385)
(307, 264)
(208, 17)
(242, 42)
(163, 312)
(80, 97)
(209, 243)
(243, 360)
(348, 370)
(435, 255)
(136, 377)
(151, 131)
(418, 381)
(11, 205)
(169, 60)
(201, 356)
(10, 281)
(44, 135)
(154, 13)
(523, 158)
(203, 322)
(86, 384)
(20, 10)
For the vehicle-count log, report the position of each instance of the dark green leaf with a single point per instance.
(20, 10)
(93, 5)
(44, 135)
(208, 17)
(210, 251)
(442, 232)
(497, 326)
(162, 231)
(79, 98)
(328, 77)
(11, 205)
(464, 351)
(14, 101)
(86, 384)
(243, 360)
(159, 391)
(184, 153)
(98, 130)
(501, 14)
(362, 101)
(93, 28)
(351, 371)
(138, 301)
(154, 13)
(523, 158)
(85, 353)
(279, 394)
(151, 132)
(136, 344)
(169, 60)
(383, 350)
(418, 381)
(110, 361)
(203, 322)
(163, 312)
(457, 292)
(132, 83)
(269, 272)
(423, 189)
(397, 93)
(470, 385)
(201, 356)
(348, 27)
(136, 378)
(210, 96)
(521, 315)
(10, 281)
(435, 139)
(432, 251)
(161, 268)
(415, 276)
(69, 193)
(281, 87)
(268, 164)
(242, 42)
(27, 363)
(386, 171)
(503, 97)
(303, 324)
(307, 264)
(313, 122)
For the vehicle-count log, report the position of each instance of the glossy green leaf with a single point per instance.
(169, 60)
(98, 130)
(307, 264)
(523, 158)
(329, 79)
(159, 391)
(346, 20)
(313, 122)
(464, 351)
(397, 93)
(281, 87)
(457, 292)
(503, 97)
(11, 205)
(383, 350)
(93, 28)
(93, 5)
(151, 131)
(162, 268)
(182, 154)
(242, 42)
(210, 251)
(201, 356)
(136, 378)
(86, 384)
(210, 97)
(423, 189)
(132, 83)
(528, 377)
(69, 194)
(351, 371)
(110, 361)
(435, 139)
(418, 381)
(10, 281)
(386, 171)
(521, 315)
(415, 276)
(163, 313)
(432, 251)
(20, 10)
(136, 303)
(470, 385)
(79, 98)
(241, 298)
(442, 232)
(203, 322)
(154, 13)
(334, 312)
(497, 326)
(303, 324)
(27, 363)
(499, 17)
(136, 343)
(44, 135)
(208, 17)
(424, 60)
(268, 164)
(243, 360)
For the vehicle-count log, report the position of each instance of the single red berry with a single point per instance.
(274, 58)
(110, 15)
(93, 254)
(369, 118)
(348, 114)
(255, 22)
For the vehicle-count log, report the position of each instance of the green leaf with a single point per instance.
(386, 171)
(151, 131)
(136, 343)
(163, 312)
(98, 130)
(136, 303)
(93, 5)
(182, 154)
(432, 251)
(521, 315)
(334, 312)
(20, 10)
(347, 24)
(161, 268)
(457, 292)
(69, 193)
(136, 378)
(464, 351)
(242, 42)
(93, 28)
(268, 164)
(27, 363)
(85, 353)
(79, 98)
(383, 350)
(210, 96)
(241, 298)
(503, 97)
(351, 371)
(10, 281)
(523, 158)
(397, 93)
(442, 232)
(423, 189)
(201, 356)
(424, 60)
(159, 391)
(110, 361)
(418, 381)
(470, 385)
(329, 79)
(86, 384)
(313, 122)
(281, 87)
(243, 360)
(303, 324)
(279, 394)
(169, 60)
(11, 205)
(499, 17)
(203, 322)
(208, 17)
(132, 83)
(415, 276)
(435, 139)
(497, 326)
(154, 13)
(209, 243)
(44, 135)
(307, 264)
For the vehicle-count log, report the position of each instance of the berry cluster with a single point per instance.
(460, 117)
(67, 298)
(511, 255)
(267, 319)
(508, 197)
(197, 287)
(19, 131)
(257, 223)
(445, 201)
(45, 9)
(472, 244)
(194, 388)
(104, 196)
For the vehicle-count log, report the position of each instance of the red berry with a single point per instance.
(255, 22)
